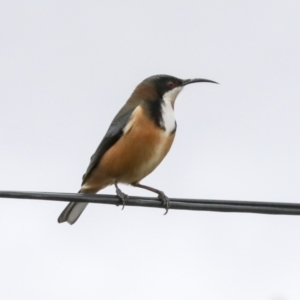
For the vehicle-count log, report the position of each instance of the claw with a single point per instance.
(123, 197)
(165, 201)
(161, 195)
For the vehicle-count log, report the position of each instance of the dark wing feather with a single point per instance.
(113, 134)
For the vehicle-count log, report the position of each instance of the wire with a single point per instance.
(175, 203)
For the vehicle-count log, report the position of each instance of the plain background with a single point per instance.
(66, 67)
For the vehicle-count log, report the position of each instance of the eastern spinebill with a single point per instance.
(137, 140)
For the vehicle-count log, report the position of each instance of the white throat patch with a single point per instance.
(168, 117)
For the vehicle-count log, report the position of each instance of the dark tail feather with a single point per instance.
(72, 212)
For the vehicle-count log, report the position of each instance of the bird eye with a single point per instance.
(170, 84)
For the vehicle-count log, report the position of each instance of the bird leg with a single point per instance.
(123, 197)
(161, 195)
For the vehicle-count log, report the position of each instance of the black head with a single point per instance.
(165, 83)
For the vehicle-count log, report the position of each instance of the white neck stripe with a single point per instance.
(168, 117)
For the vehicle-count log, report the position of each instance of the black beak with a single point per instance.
(188, 81)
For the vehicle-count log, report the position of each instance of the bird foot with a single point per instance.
(123, 197)
(165, 201)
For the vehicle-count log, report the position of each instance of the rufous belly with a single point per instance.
(135, 155)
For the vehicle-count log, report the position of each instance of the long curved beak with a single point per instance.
(188, 81)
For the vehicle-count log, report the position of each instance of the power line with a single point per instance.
(278, 208)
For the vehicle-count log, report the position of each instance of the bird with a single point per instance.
(137, 140)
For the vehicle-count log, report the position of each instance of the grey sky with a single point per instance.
(66, 67)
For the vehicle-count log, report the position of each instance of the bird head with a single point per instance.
(168, 87)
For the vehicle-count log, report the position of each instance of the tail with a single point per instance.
(72, 212)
